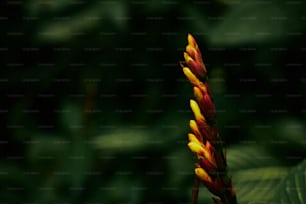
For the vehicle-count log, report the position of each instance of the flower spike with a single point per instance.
(204, 140)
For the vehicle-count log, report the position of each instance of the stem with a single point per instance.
(195, 191)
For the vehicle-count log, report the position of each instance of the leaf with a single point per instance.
(293, 187)
(71, 118)
(249, 156)
(120, 190)
(253, 22)
(285, 137)
(122, 140)
(34, 6)
(293, 132)
(86, 20)
(168, 130)
(15, 181)
(258, 184)
(46, 147)
(255, 174)
(78, 161)
(70, 164)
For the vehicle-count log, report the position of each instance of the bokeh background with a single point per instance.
(95, 108)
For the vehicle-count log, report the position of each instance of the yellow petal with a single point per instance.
(196, 110)
(198, 94)
(202, 174)
(200, 91)
(191, 77)
(193, 138)
(191, 51)
(187, 57)
(196, 147)
(195, 129)
(199, 149)
(193, 125)
(192, 41)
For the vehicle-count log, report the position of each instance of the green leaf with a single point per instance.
(249, 156)
(71, 118)
(169, 130)
(71, 162)
(284, 137)
(122, 140)
(253, 22)
(293, 187)
(255, 174)
(45, 147)
(257, 184)
(16, 181)
(84, 21)
(35, 6)
(120, 190)
(77, 162)
(292, 131)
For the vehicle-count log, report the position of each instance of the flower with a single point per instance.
(204, 141)
(193, 57)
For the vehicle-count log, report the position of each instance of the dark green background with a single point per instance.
(95, 108)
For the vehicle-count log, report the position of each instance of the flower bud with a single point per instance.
(196, 111)
(195, 129)
(191, 77)
(202, 175)
(192, 41)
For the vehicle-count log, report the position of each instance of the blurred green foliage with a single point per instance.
(94, 106)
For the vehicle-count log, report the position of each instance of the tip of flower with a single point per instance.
(192, 51)
(193, 57)
(192, 41)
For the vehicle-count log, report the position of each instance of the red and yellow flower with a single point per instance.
(204, 140)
